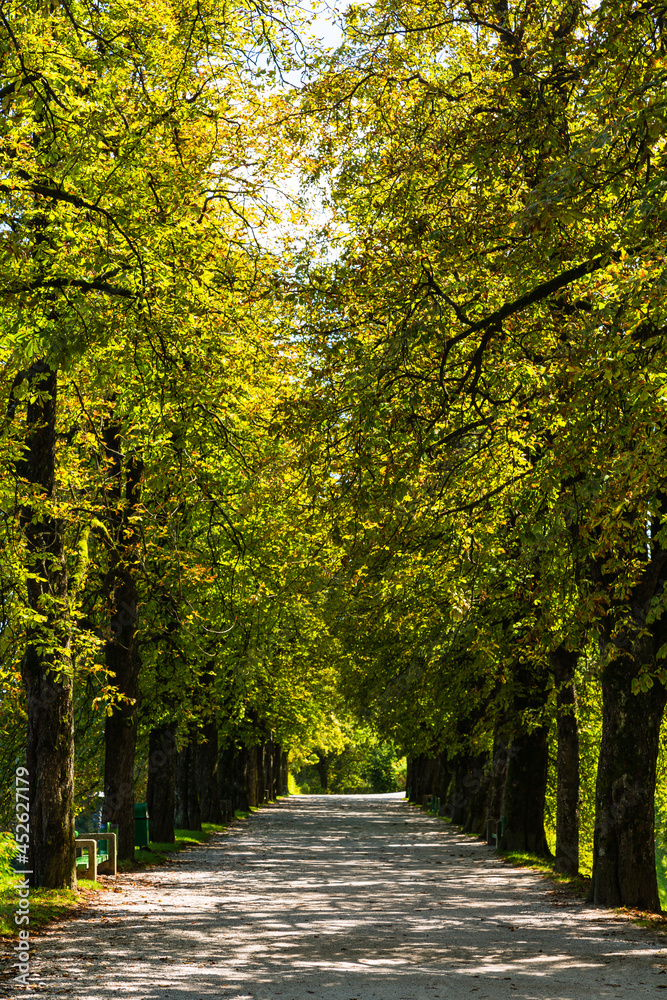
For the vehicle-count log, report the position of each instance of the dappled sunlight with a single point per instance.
(344, 898)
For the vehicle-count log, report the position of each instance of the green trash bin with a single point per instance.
(140, 824)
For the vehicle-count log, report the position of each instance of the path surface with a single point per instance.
(343, 898)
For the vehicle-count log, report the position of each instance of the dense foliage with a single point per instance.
(374, 467)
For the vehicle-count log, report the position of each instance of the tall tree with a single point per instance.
(122, 130)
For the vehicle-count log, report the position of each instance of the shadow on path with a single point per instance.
(343, 898)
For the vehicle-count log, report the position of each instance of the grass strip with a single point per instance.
(576, 885)
(46, 905)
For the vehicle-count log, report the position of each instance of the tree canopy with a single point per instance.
(333, 387)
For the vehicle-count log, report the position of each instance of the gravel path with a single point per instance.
(343, 898)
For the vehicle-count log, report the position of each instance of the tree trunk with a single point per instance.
(460, 791)
(207, 774)
(498, 778)
(414, 774)
(181, 820)
(277, 773)
(122, 651)
(226, 772)
(187, 808)
(120, 739)
(323, 761)
(525, 792)
(46, 664)
(161, 782)
(443, 779)
(268, 757)
(120, 730)
(479, 778)
(194, 807)
(419, 781)
(251, 776)
(283, 783)
(241, 798)
(261, 773)
(564, 662)
(624, 849)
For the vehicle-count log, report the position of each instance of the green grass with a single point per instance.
(661, 871)
(46, 905)
(577, 885)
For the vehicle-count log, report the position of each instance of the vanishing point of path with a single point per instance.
(343, 898)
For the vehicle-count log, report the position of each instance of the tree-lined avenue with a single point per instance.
(333, 412)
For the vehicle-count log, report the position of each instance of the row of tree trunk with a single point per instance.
(510, 784)
(198, 784)
(206, 781)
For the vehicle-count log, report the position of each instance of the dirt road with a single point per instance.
(343, 898)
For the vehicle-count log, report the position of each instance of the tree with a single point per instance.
(122, 130)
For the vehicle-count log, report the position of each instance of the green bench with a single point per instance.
(104, 861)
(105, 848)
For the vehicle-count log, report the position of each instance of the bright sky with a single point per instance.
(326, 14)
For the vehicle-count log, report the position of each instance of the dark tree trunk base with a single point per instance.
(120, 737)
(478, 794)
(121, 651)
(161, 783)
(207, 775)
(525, 792)
(283, 784)
(46, 664)
(497, 779)
(240, 768)
(186, 808)
(50, 760)
(564, 663)
(624, 848)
